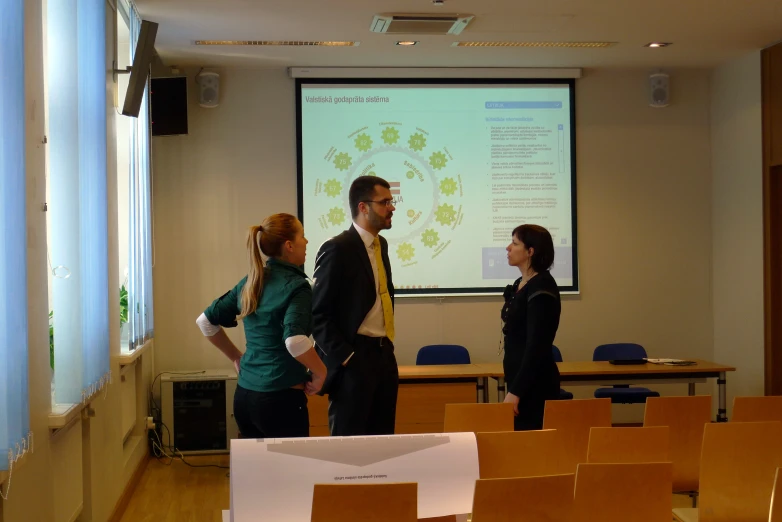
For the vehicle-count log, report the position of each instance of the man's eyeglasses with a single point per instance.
(386, 202)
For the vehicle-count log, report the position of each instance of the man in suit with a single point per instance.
(353, 316)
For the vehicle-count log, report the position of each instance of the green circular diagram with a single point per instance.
(424, 179)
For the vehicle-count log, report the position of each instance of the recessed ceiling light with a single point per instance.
(657, 45)
(407, 42)
(275, 43)
(535, 44)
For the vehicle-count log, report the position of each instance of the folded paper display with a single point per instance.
(671, 362)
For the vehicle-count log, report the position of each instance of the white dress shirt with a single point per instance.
(374, 324)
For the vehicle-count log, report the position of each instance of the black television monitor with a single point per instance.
(139, 71)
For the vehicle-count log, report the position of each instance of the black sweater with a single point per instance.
(531, 318)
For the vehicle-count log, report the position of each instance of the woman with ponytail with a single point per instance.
(274, 302)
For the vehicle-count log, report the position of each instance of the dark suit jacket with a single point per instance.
(343, 294)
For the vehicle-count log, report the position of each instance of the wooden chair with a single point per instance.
(619, 492)
(757, 409)
(396, 502)
(531, 499)
(628, 445)
(514, 454)
(775, 514)
(573, 419)
(481, 417)
(738, 465)
(685, 418)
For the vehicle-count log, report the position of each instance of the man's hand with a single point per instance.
(513, 399)
(315, 385)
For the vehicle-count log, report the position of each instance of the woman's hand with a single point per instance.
(513, 399)
(237, 364)
(314, 386)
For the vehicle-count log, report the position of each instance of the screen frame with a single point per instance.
(455, 291)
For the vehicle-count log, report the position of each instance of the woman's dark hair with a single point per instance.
(537, 237)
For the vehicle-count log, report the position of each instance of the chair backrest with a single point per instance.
(628, 445)
(639, 492)
(757, 409)
(573, 419)
(738, 465)
(442, 354)
(557, 354)
(685, 418)
(534, 499)
(775, 514)
(514, 454)
(393, 502)
(608, 352)
(477, 417)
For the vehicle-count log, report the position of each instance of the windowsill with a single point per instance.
(63, 415)
(127, 357)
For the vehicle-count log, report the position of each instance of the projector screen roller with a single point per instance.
(467, 161)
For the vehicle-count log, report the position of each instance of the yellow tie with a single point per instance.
(385, 297)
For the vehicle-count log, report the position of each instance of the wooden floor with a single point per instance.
(175, 492)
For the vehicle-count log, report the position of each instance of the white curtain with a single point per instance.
(14, 412)
(140, 316)
(76, 76)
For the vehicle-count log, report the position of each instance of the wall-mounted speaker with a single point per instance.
(209, 89)
(659, 90)
(168, 100)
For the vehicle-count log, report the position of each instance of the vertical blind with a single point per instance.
(15, 438)
(140, 317)
(77, 109)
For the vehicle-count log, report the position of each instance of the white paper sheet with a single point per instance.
(273, 479)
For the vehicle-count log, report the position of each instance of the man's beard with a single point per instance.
(378, 221)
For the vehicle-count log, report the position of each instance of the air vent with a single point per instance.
(276, 43)
(419, 23)
(534, 44)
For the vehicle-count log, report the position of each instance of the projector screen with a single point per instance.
(467, 160)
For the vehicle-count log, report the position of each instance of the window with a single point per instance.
(77, 216)
(124, 129)
(14, 412)
(139, 292)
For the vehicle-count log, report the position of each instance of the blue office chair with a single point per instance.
(442, 354)
(563, 394)
(622, 393)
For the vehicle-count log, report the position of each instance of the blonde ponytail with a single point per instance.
(251, 293)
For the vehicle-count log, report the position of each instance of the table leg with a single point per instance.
(482, 388)
(691, 389)
(500, 389)
(722, 411)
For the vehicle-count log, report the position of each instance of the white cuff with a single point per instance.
(298, 345)
(207, 328)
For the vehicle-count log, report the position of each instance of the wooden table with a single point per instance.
(423, 393)
(425, 390)
(600, 373)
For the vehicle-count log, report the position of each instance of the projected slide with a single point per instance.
(467, 163)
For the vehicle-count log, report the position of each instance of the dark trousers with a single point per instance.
(530, 415)
(277, 414)
(362, 400)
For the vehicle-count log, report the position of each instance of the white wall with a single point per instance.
(644, 221)
(737, 216)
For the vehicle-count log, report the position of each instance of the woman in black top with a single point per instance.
(531, 317)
